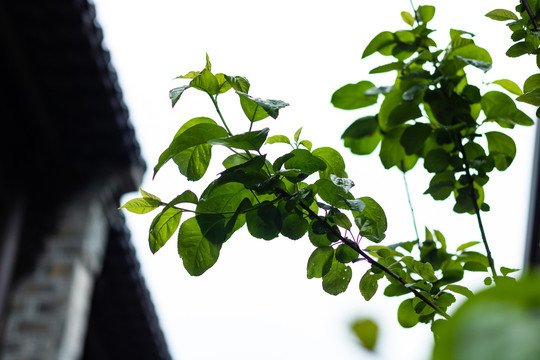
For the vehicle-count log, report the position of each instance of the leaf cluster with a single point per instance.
(432, 112)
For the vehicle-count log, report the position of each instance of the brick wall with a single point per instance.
(47, 310)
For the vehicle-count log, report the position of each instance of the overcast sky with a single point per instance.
(256, 302)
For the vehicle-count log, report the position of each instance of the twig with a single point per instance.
(353, 245)
(529, 11)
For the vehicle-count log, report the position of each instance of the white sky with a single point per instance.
(256, 302)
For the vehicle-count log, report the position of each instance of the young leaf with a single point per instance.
(297, 135)
(352, 96)
(257, 109)
(195, 135)
(408, 18)
(337, 279)
(141, 205)
(223, 84)
(320, 262)
(198, 253)
(467, 245)
(505, 271)
(501, 15)
(148, 195)
(163, 227)
(206, 81)
(335, 165)
(426, 13)
(509, 86)
(278, 139)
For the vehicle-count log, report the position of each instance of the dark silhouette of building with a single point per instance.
(70, 285)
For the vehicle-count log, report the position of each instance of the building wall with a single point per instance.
(47, 310)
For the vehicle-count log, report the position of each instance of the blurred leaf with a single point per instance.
(363, 135)
(509, 86)
(366, 331)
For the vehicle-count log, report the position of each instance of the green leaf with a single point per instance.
(297, 135)
(395, 290)
(148, 195)
(467, 245)
(316, 238)
(257, 109)
(198, 253)
(482, 65)
(414, 137)
(440, 238)
(505, 271)
(371, 221)
(462, 290)
(294, 226)
(335, 165)
(265, 222)
(403, 112)
(278, 139)
(198, 134)
(501, 15)
(345, 254)
(223, 84)
(501, 148)
(531, 97)
(501, 108)
(426, 13)
(252, 140)
(520, 48)
(363, 135)
(320, 262)
(337, 279)
(408, 18)
(441, 185)
(407, 317)
(307, 144)
(206, 81)
(194, 161)
(332, 194)
(238, 83)
(532, 83)
(392, 152)
(305, 161)
(366, 331)
(509, 86)
(383, 40)
(437, 160)
(175, 93)
(352, 96)
(369, 285)
(141, 205)
(398, 65)
(342, 220)
(163, 227)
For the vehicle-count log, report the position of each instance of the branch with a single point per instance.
(353, 245)
(529, 11)
(472, 194)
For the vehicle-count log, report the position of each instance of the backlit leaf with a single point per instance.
(337, 279)
(352, 96)
(320, 262)
(198, 253)
(163, 227)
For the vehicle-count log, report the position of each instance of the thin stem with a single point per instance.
(353, 245)
(214, 101)
(410, 205)
(416, 16)
(472, 194)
